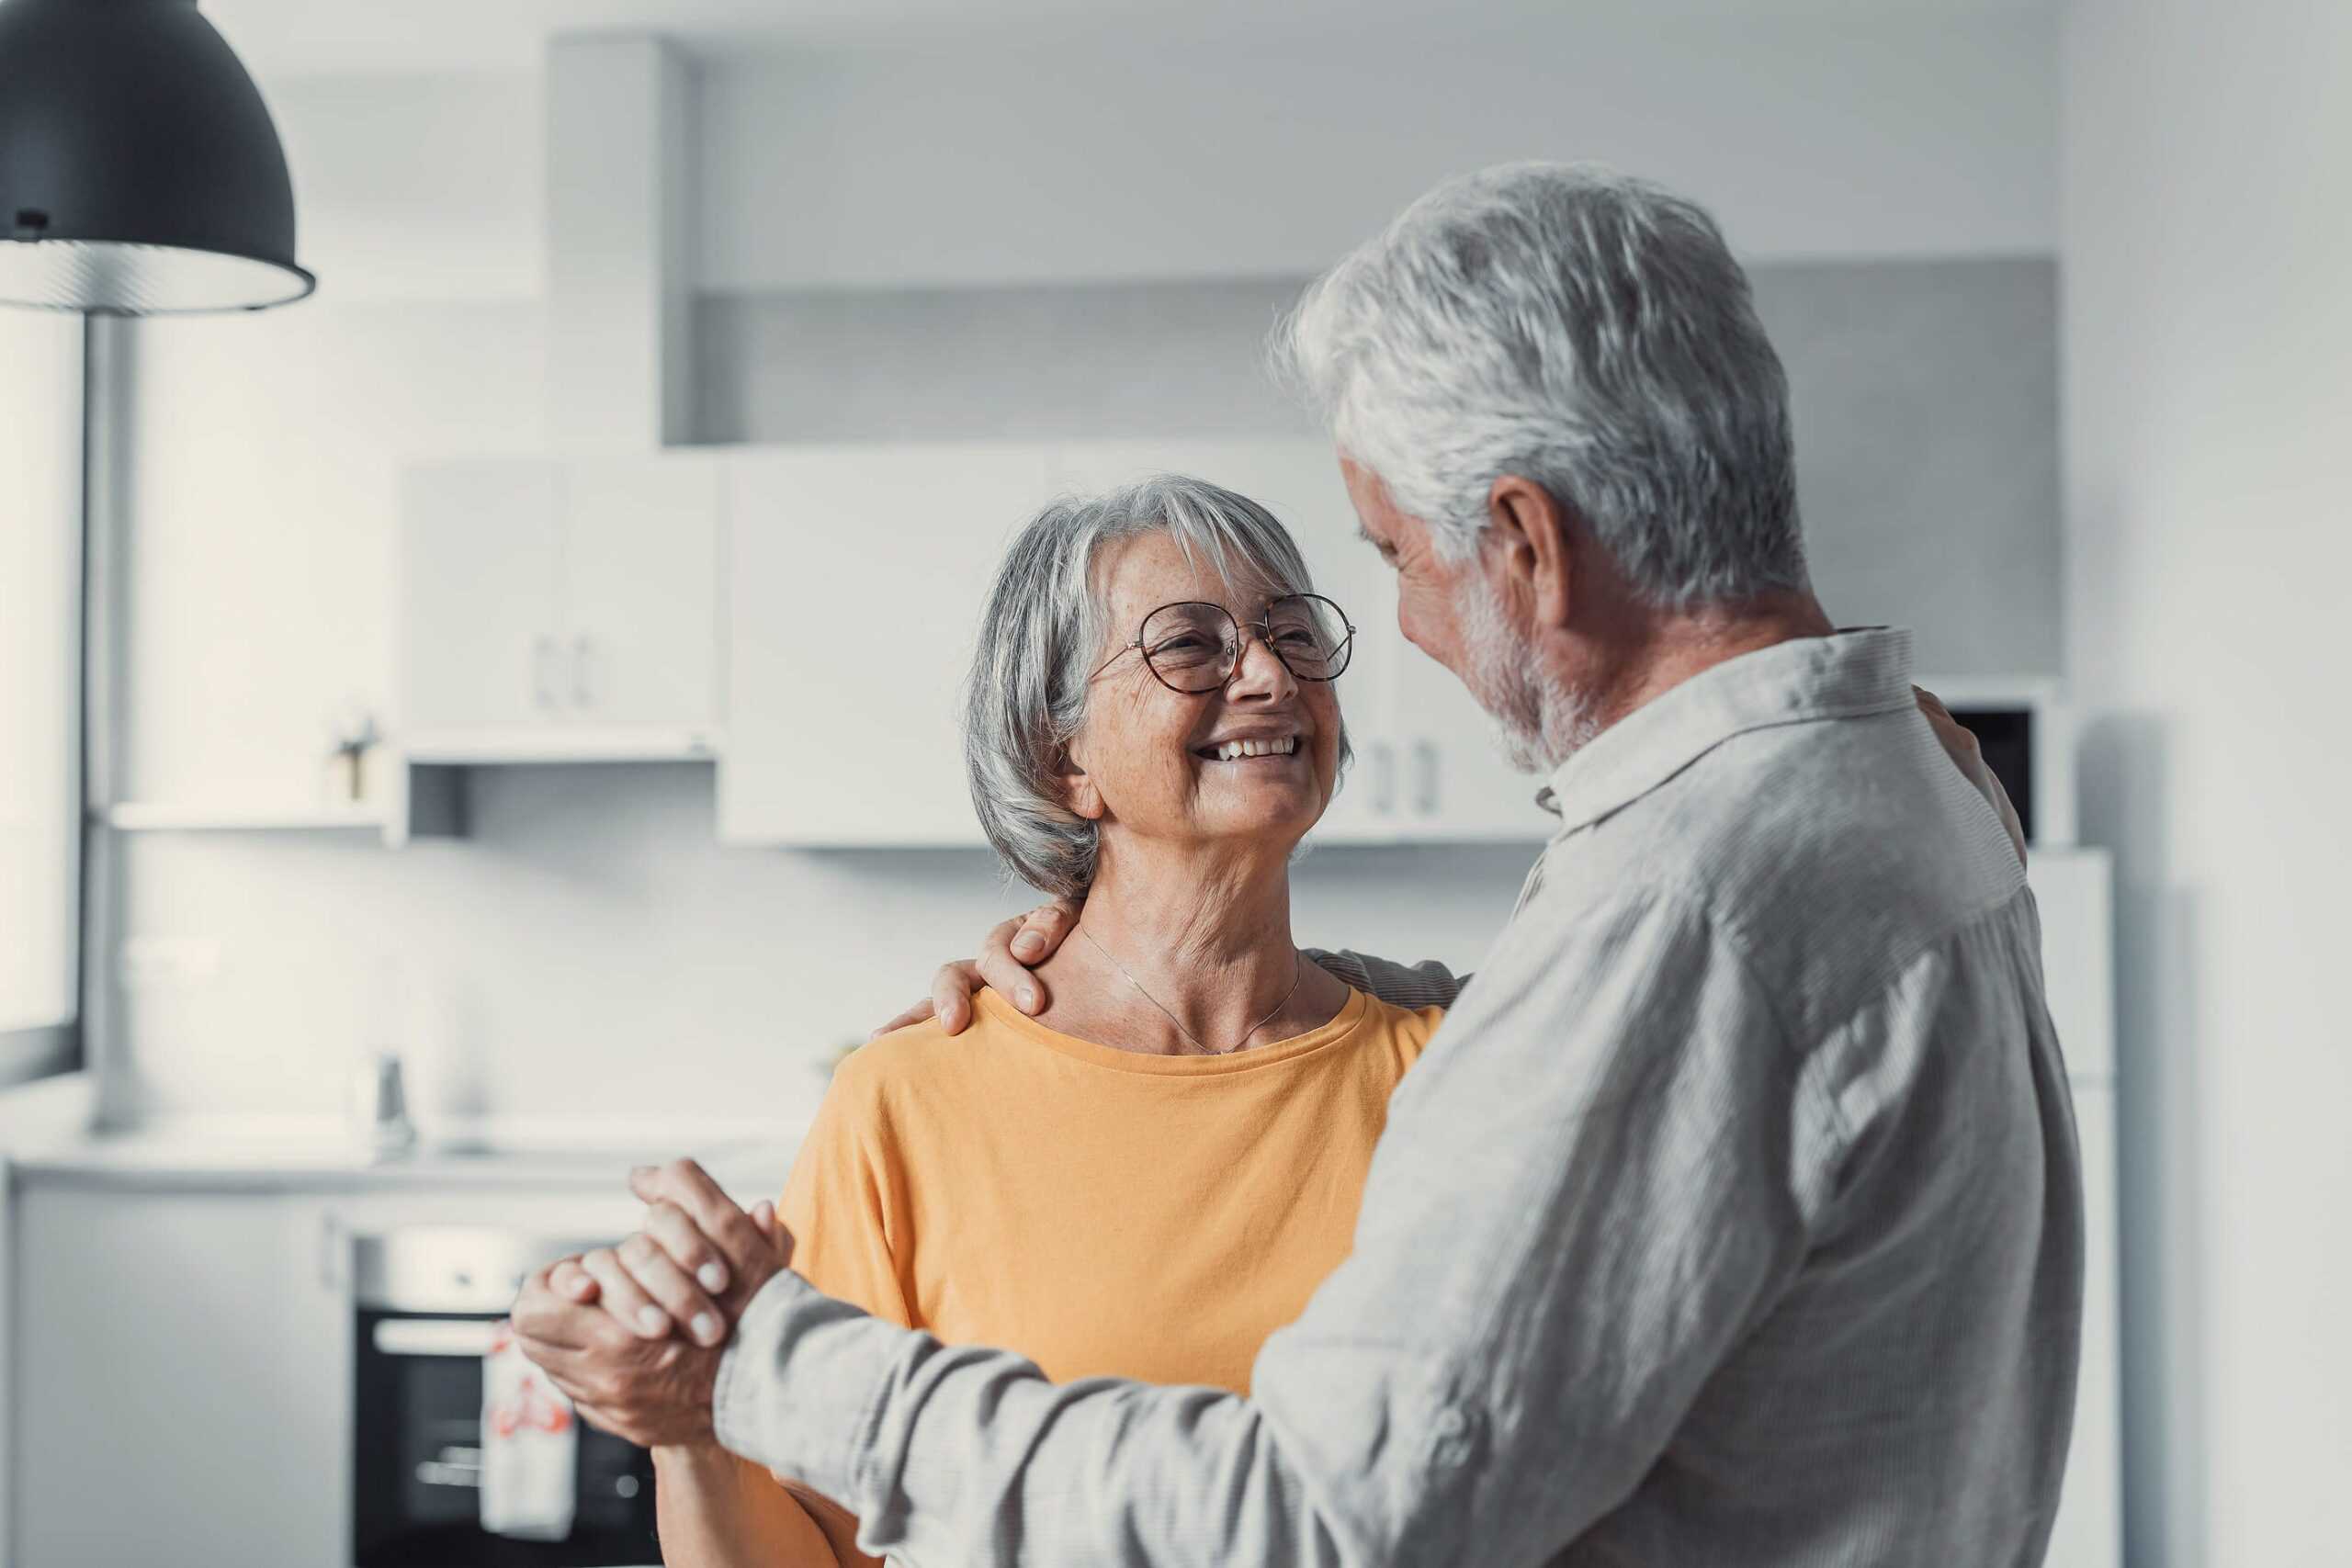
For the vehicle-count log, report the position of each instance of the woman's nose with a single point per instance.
(1257, 673)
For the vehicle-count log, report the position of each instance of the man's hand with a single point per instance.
(655, 1393)
(600, 1325)
(1007, 953)
(1960, 741)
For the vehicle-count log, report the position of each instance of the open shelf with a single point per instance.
(423, 801)
(196, 817)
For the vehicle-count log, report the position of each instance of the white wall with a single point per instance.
(1850, 133)
(417, 186)
(591, 951)
(2207, 357)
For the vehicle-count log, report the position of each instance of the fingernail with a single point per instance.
(712, 1276)
(1028, 998)
(653, 1320)
(705, 1328)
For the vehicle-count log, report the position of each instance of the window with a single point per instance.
(40, 690)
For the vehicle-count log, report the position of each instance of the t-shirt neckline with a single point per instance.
(1333, 1031)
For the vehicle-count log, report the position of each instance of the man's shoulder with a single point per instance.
(1825, 853)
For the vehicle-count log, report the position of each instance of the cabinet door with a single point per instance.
(641, 591)
(182, 1381)
(854, 586)
(1298, 481)
(478, 616)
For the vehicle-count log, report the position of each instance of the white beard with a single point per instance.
(1538, 722)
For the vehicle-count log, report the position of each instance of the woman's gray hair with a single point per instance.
(1580, 329)
(1044, 631)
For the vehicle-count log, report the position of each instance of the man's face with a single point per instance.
(1427, 585)
(1453, 611)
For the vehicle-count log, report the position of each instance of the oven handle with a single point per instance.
(434, 1336)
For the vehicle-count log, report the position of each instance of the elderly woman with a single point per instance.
(1154, 1173)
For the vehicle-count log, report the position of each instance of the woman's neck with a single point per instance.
(1210, 945)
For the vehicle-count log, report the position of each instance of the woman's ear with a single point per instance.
(1077, 790)
(1530, 529)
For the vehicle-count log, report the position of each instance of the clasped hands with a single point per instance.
(633, 1332)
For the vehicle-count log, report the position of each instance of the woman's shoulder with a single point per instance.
(921, 1053)
(1408, 1029)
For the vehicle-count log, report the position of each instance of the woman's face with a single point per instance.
(1147, 762)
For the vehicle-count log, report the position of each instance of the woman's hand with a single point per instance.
(1966, 755)
(1007, 953)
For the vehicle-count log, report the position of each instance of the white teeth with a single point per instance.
(1281, 747)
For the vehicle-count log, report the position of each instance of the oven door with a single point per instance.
(416, 1449)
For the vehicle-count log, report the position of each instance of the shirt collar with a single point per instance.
(1847, 674)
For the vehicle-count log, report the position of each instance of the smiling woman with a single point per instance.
(1172, 1150)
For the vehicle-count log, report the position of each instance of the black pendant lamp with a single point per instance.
(139, 173)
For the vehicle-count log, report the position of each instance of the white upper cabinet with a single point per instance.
(855, 581)
(480, 554)
(554, 611)
(640, 584)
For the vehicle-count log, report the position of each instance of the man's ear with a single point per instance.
(1530, 528)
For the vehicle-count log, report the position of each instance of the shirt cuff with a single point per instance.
(797, 1383)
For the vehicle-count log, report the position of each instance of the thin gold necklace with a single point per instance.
(1298, 973)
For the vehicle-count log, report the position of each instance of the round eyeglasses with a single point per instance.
(1193, 646)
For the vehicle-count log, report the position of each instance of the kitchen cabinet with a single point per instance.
(179, 1393)
(560, 611)
(854, 585)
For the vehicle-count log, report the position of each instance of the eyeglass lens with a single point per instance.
(1195, 646)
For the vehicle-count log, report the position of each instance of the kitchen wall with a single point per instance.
(2208, 336)
(904, 244)
(1925, 392)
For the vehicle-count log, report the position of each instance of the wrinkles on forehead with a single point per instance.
(1138, 574)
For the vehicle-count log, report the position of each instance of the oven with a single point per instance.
(425, 1302)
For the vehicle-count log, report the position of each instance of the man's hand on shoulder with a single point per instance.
(1007, 954)
(1960, 743)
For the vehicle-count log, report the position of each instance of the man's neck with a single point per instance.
(1676, 646)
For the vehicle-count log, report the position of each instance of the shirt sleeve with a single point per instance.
(1587, 1194)
(837, 1204)
(1412, 987)
(839, 1201)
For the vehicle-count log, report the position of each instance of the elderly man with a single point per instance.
(1733, 1215)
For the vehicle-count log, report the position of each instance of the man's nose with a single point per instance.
(1258, 675)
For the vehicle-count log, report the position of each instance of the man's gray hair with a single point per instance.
(1580, 329)
(1044, 631)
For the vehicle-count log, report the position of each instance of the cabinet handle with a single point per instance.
(1384, 778)
(1425, 796)
(583, 693)
(543, 653)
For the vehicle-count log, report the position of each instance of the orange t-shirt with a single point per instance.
(1102, 1211)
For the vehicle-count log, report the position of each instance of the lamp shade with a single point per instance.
(139, 173)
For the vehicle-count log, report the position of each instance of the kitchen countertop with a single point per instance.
(274, 1156)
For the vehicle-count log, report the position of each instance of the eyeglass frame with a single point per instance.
(1263, 627)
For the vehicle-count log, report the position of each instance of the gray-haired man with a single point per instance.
(1734, 1215)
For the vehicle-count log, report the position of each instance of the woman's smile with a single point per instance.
(1281, 748)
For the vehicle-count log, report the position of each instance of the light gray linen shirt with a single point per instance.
(1732, 1216)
